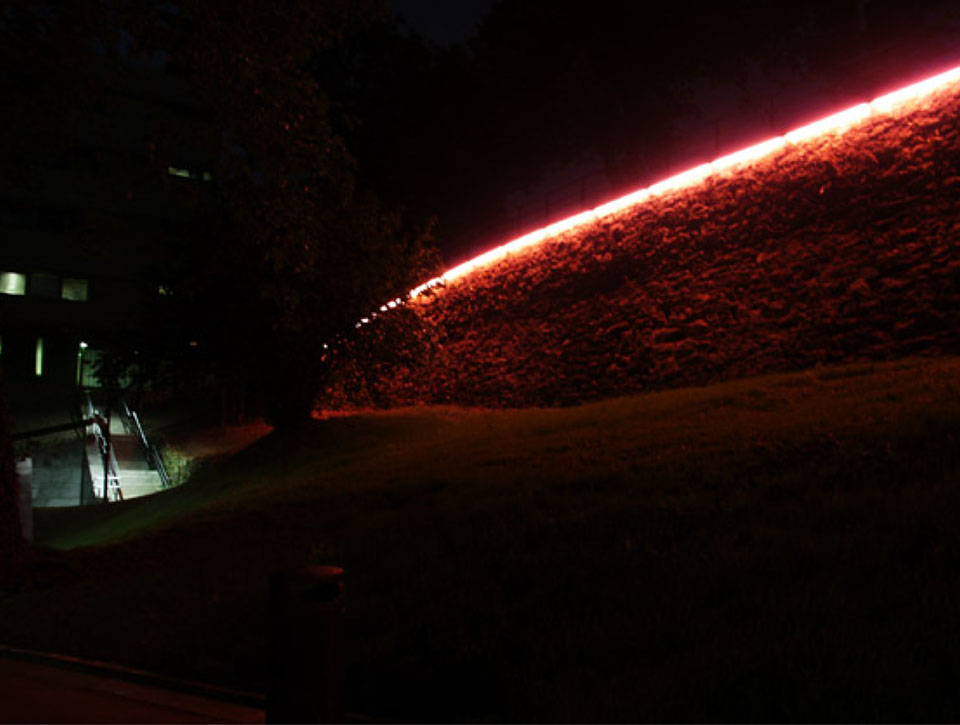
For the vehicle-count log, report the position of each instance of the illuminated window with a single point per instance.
(74, 289)
(12, 283)
(44, 285)
(89, 361)
(189, 173)
(38, 358)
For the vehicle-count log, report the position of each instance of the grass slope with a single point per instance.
(778, 548)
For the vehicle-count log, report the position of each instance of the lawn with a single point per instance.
(776, 548)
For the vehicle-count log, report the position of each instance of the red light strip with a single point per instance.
(836, 123)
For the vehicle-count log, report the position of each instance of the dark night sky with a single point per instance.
(443, 21)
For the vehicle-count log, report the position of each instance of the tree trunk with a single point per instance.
(12, 545)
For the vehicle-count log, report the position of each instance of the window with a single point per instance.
(74, 289)
(89, 364)
(13, 283)
(189, 173)
(44, 285)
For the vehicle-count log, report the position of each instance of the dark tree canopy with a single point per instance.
(334, 134)
(561, 79)
(549, 83)
(288, 250)
(11, 541)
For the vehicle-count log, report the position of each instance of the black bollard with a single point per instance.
(306, 646)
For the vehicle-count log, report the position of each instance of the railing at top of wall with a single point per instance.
(834, 123)
(712, 135)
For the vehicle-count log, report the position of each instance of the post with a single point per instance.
(25, 485)
(306, 646)
(104, 426)
(106, 459)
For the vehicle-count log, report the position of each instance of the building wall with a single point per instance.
(85, 227)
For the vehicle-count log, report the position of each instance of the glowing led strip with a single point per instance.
(836, 123)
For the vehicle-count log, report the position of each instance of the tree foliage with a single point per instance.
(613, 78)
(11, 541)
(293, 250)
(548, 84)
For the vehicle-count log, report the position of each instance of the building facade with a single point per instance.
(87, 227)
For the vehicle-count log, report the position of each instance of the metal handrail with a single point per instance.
(113, 476)
(112, 469)
(132, 421)
(159, 466)
(50, 429)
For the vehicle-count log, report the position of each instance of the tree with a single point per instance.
(297, 252)
(405, 109)
(11, 541)
(548, 84)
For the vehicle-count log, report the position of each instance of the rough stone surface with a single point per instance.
(843, 248)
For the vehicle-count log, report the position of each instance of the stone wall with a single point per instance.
(843, 248)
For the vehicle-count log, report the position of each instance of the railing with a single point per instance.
(88, 409)
(157, 460)
(700, 140)
(111, 469)
(38, 432)
(113, 476)
(132, 423)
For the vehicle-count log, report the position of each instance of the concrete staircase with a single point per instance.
(136, 476)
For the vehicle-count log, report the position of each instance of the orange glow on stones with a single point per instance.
(835, 123)
(916, 91)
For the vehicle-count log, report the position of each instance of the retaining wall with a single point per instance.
(842, 248)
